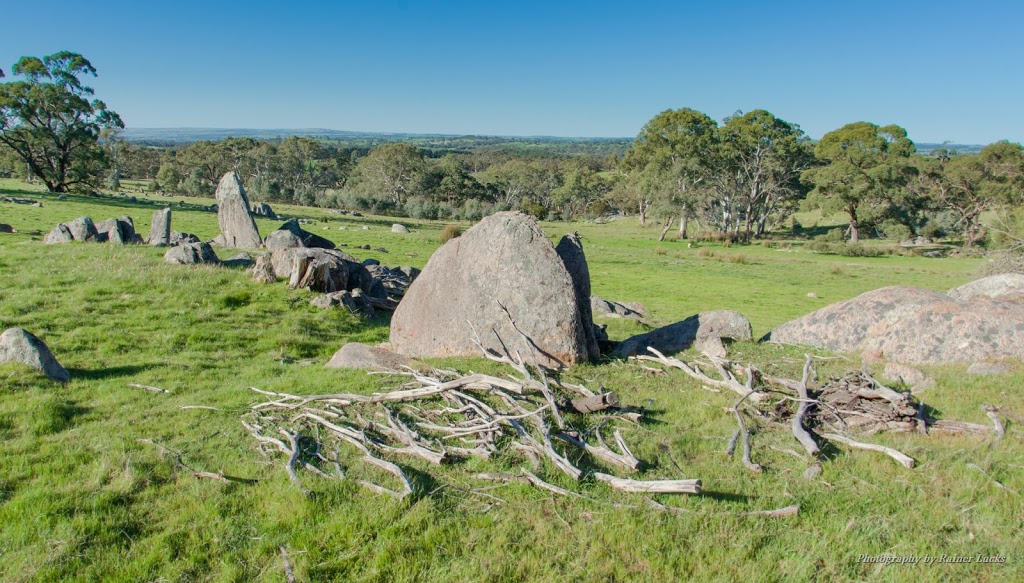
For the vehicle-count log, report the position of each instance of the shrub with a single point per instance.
(894, 231)
(660, 251)
(705, 253)
(450, 232)
(836, 269)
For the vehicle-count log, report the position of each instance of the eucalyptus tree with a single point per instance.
(391, 171)
(672, 160)
(866, 168)
(761, 158)
(48, 119)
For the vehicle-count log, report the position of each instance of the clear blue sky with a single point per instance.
(943, 70)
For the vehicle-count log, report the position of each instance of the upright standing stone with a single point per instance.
(570, 250)
(236, 225)
(160, 231)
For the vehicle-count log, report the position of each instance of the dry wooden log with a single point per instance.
(549, 487)
(951, 427)
(289, 573)
(903, 459)
(592, 404)
(990, 412)
(651, 486)
(148, 388)
(729, 381)
(801, 434)
(603, 453)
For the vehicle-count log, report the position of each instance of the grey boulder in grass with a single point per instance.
(979, 321)
(19, 345)
(504, 262)
(192, 254)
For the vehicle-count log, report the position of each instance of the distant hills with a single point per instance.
(439, 143)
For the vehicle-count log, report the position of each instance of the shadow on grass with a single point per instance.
(112, 372)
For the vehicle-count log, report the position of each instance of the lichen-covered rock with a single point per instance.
(363, 356)
(118, 231)
(236, 225)
(1003, 285)
(402, 229)
(18, 345)
(682, 335)
(913, 326)
(191, 254)
(179, 238)
(160, 230)
(502, 263)
(322, 270)
(843, 326)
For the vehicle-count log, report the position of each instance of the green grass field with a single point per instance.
(82, 499)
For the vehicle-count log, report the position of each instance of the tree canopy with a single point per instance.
(48, 120)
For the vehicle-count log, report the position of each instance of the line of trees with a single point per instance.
(742, 178)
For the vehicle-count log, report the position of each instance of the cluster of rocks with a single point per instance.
(118, 231)
(263, 210)
(18, 200)
(502, 286)
(977, 322)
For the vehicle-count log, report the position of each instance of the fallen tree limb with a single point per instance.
(801, 434)
(650, 486)
(903, 459)
(148, 388)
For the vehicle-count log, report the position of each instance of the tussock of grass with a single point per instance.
(82, 498)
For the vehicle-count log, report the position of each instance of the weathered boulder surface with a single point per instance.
(397, 228)
(570, 250)
(1003, 285)
(160, 230)
(242, 260)
(681, 335)
(82, 229)
(282, 239)
(599, 305)
(906, 374)
(236, 225)
(191, 254)
(19, 345)
(119, 231)
(263, 271)
(59, 234)
(915, 326)
(843, 326)
(322, 270)
(502, 263)
(308, 239)
(356, 355)
(179, 238)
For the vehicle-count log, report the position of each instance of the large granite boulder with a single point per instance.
(160, 230)
(237, 228)
(82, 229)
(503, 263)
(356, 355)
(1003, 285)
(18, 345)
(282, 239)
(191, 254)
(915, 326)
(570, 250)
(119, 231)
(308, 239)
(844, 326)
(682, 335)
(401, 229)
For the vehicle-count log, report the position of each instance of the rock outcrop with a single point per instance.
(916, 326)
(504, 263)
(308, 239)
(356, 355)
(682, 335)
(1004, 285)
(237, 229)
(19, 345)
(192, 254)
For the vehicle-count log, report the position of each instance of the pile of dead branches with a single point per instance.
(441, 417)
(855, 401)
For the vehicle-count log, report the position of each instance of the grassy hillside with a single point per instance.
(81, 498)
